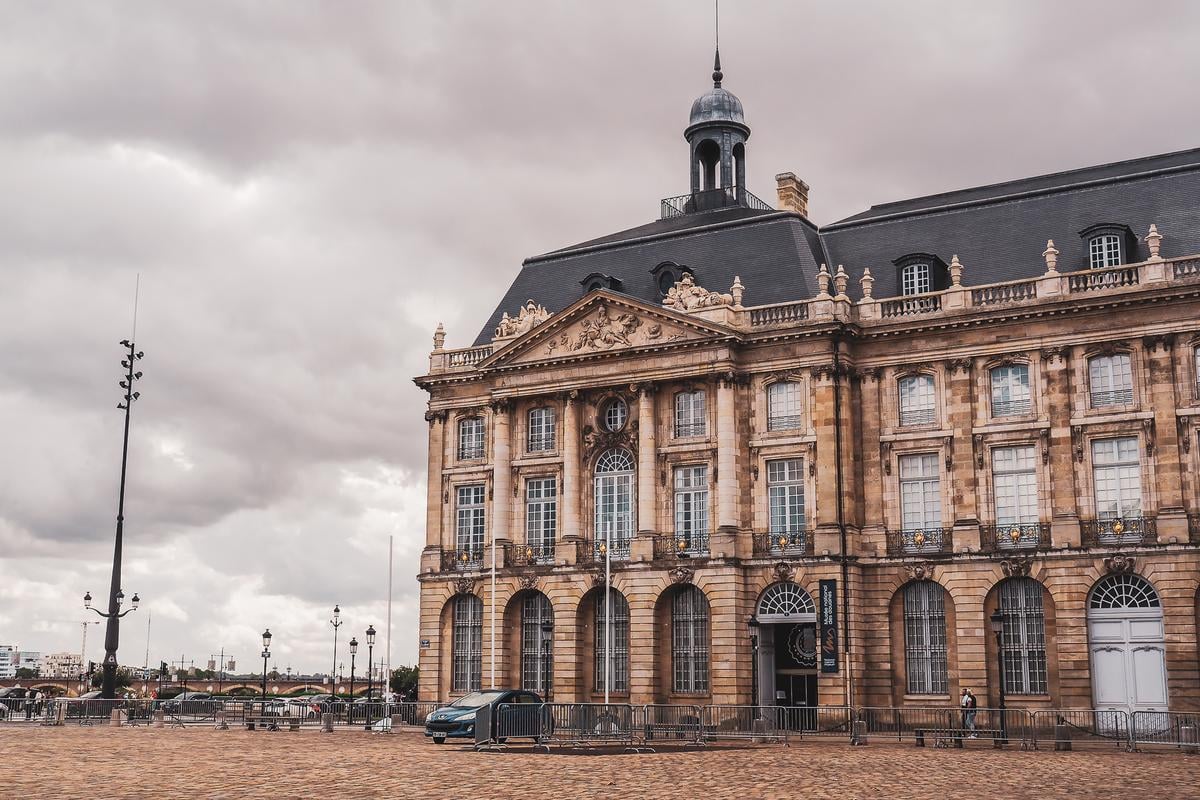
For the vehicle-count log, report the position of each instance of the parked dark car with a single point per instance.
(191, 703)
(457, 720)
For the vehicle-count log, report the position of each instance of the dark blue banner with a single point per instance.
(827, 617)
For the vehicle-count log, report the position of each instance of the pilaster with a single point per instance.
(1056, 365)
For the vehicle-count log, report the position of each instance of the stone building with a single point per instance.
(939, 444)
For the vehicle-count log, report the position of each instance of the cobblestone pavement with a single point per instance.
(204, 763)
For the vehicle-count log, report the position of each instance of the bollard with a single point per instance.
(327, 722)
(858, 734)
(1061, 740)
(117, 718)
(293, 723)
(397, 721)
(759, 728)
(159, 718)
(222, 722)
(60, 714)
(1187, 738)
(919, 737)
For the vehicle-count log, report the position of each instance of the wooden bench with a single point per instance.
(945, 737)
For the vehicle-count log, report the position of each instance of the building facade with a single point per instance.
(692, 463)
(13, 659)
(60, 665)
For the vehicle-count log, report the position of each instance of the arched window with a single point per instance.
(1023, 636)
(783, 406)
(620, 642)
(1123, 591)
(916, 400)
(614, 505)
(784, 602)
(537, 646)
(925, 637)
(466, 647)
(470, 438)
(689, 639)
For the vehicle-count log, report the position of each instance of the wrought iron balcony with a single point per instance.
(471, 452)
(592, 551)
(1114, 397)
(795, 543)
(1011, 408)
(528, 555)
(1014, 536)
(463, 560)
(920, 541)
(682, 544)
(711, 200)
(785, 422)
(1118, 531)
(916, 416)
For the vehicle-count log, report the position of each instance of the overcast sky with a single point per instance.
(307, 188)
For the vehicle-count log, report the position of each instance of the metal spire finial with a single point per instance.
(717, 74)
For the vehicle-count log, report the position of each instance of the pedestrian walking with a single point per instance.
(969, 705)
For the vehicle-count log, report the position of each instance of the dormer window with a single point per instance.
(598, 280)
(920, 273)
(667, 274)
(1108, 245)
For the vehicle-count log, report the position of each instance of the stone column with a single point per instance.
(571, 531)
(501, 479)
(1056, 370)
(647, 498)
(960, 418)
(433, 500)
(727, 476)
(1160, 439)
(827, 537)
(872, 461)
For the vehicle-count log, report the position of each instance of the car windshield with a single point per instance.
(476, 699)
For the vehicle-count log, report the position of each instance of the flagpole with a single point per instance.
(387, 692)
(493, 612)
(607, 611)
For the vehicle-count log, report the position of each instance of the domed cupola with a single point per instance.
(717, 135)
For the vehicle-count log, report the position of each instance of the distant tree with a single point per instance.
(273, 675)
(404, 680)
(124, 679)
(25, 673)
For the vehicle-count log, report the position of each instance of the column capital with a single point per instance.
(644, 388)
(957, 365)
(1154, 342)
(439, 415)
(500, 405)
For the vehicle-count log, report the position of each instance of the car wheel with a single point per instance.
(439, 740)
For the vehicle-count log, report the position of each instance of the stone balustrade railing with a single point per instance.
(1050, 287)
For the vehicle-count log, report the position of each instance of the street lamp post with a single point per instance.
(997, 624)
(370, 670)
(266, 653)
(547, 638)
(112, 633)
(336, 622)
(353, 653)
(753, 624)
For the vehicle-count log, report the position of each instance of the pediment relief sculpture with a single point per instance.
(685, 295)
(529, 317)
(611, 329)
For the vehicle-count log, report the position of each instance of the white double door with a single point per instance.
(1129, 670)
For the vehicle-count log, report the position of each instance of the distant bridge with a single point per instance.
(235, 685)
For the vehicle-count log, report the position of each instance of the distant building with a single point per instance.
(60, 665)
(12, 659)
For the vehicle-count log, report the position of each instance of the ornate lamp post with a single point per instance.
(353, 653)
(112, 633)
(547, 638)
(266, 653)
(997, 625)
(753, 625)
(370, 670)
(336, 622)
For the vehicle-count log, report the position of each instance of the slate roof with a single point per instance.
(997, 231)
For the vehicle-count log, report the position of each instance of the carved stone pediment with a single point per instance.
(601, 323)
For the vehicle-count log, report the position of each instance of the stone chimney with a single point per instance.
(793, 193)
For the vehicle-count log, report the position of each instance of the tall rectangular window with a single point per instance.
(689, 639)
(916, 400)
(1010, 391)
(925, 637)
(920, 492)
(783, 406)
(541, 515)
(541, 430)
(915, 279)
(691, 507)
(1023, 636)
(470, 520)
(1104, 251)
(1110, 379)
(785, 493)
(1014, 482)
(620, 642)
(467, 645)
(470, 438)
(690, 415)
(1117, 477)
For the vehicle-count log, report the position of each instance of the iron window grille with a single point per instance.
(690, 416)
(925, 638)
(541, 430)
(689, 629)
(1104, 251)
(783, 407)
(467, 644)
(916, 400)
(1010, 391)
(620, 642)
(1023, 636)
(470, 439)
(537, 659)
(1110, 380)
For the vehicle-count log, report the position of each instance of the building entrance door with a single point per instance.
(1125, 634)
(796, 673)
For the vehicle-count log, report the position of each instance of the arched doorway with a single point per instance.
(787, 649)
(1126, 642)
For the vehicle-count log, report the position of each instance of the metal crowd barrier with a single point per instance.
(668, 724)
(825, 721)
(1167, 728)
(760, 723)
(1065, 728)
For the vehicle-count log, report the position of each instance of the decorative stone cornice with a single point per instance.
(919, 368)
(682, 574)
(1119, 564)
(1110, 348)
